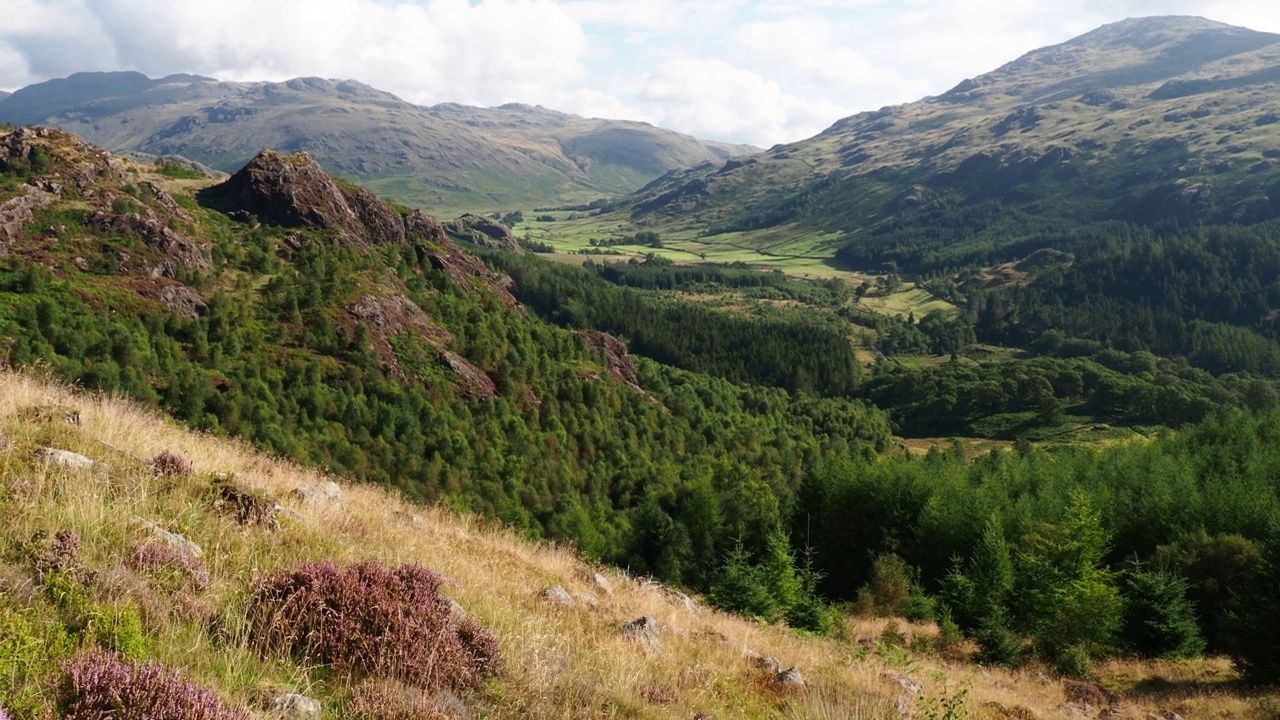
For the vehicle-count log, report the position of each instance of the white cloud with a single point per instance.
(490, 52)
(713, 99)
(761, 71)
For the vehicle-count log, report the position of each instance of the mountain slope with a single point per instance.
(306, 316)
(559, 661)
(1143, 120)
(445, 157)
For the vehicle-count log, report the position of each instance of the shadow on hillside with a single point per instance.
(1159, 687)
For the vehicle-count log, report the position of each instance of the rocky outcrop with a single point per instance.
(63, 458)
(461, 266)
(645, 630)
(176, 251)
(616, 358)
(294, 191)
(165, 200)
(482, 231)
(392, 315)
(322, 493)
(16, 212)
(179, 543)
(288, 190)
(293, 706)
(396, 314)
(557, 595)
(50, 154)
(473, 382)
(381, 224)
(183, 301)
(790, 677)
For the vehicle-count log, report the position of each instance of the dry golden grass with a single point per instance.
(561, 662)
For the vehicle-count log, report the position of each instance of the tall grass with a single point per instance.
(558, 662)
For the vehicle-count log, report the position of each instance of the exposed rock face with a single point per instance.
(616, 358)
(460, 266)
(482, 231)
(71, 160)
(288, 190)
(176, 251)
(165, 200)
(473, 381)
(17, 212)
(294, 191)
(183, 301)
(396, 314)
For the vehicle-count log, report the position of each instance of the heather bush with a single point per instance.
(389, 701)
(372, 621)
(168, 464)
(57, 555)
(97, 685)
(248, 507)
(175, 568)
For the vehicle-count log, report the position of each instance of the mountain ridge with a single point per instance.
(441, 158)
(1139, 120)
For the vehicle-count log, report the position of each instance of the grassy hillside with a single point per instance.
(559, 661)
(1147, 120)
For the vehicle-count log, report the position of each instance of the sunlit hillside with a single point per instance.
(566, 657)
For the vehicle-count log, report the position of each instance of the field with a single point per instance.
(802, 254)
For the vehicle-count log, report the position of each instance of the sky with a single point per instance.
(746, 71)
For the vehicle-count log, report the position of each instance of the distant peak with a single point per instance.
(1138, 30)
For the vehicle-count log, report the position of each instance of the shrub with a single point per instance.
(115, 627)
(892, 635)
(372, 621)
(387, 701)
(168, 464)
(56, 555)
(887, 592)
(1073, 661)
(99, 685)
(158, 557)
(31, 645)
(997, 644)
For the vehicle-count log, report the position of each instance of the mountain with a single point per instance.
(1145, 120)
(303, 314)
(446, 157)
(4, 94)
(300, 313)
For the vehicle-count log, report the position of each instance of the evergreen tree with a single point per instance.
(1068, 597)
(1159, 620)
